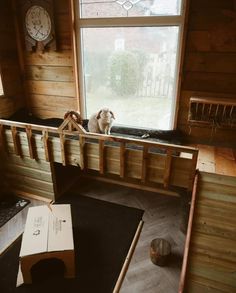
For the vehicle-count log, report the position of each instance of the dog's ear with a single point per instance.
(99, 114)
(112, 115)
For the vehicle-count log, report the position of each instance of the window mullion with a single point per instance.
(131, 21)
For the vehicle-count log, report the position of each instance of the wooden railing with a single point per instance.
(147, 162)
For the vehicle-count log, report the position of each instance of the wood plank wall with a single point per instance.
(10, 70)
(212, 255)
(29, 177)
(49, 76)
(209, 63)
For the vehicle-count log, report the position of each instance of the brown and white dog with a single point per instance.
(101, 122)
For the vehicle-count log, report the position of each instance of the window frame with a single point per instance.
(143, 21)
(1, 81)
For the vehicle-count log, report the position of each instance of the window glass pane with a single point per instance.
(128, 8)
(131, 70)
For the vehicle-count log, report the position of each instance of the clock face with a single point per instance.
(38, 23)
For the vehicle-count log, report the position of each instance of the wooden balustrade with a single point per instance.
(146, 162)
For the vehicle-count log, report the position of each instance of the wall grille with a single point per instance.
(216, 113)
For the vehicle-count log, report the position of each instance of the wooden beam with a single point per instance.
(122, 159)
(128, 258)
(3, 138)
(82, 146)
(30, 141)
(101, 157)
(16, 143)
(193, 173)
(188, 237)
(167, 172)
(62, 144)
(46, 145)
(144, 164)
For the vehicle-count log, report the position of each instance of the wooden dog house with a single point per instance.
(202, 167)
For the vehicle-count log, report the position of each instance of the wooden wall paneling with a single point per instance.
(212, 252)
(11, 74)
(62, 25)
(50, 106)
(92, 151)
(133, 163)
(205, 81)
(203, 20)
(181, 172)
(57, 58)
(156, 166)
(51, 88)
(29, 176)
(207, 5)
(112, 160)
(209, 63)
(50, 73)
(50, 77)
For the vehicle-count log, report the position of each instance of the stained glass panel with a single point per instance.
(128, 8)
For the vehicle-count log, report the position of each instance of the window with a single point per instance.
(129, 52)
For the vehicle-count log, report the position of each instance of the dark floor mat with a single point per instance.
(10, 205)
(103, 233)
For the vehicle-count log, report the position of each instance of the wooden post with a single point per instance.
(128, 258)
(82, 152)
(30, 141)
(15, 138)
(144, 164)
(193, 173)
(101, 157)
(46, 145)
(122, 159)
(62, 143)
(167, 172)
(188, 237)
(3, 138)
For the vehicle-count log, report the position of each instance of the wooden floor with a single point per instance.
(217, 160)
(162, 219)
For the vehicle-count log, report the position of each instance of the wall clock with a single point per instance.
(39, 25)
